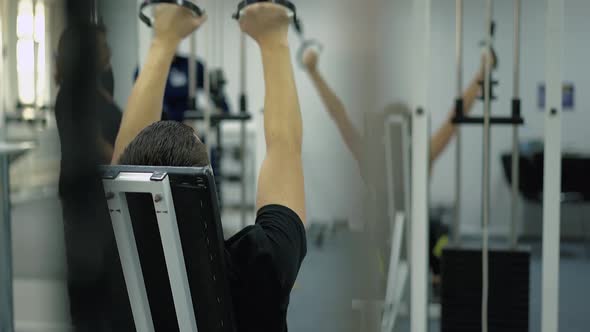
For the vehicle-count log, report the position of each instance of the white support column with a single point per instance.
(552, 167)
(515, 144)
(420, 166)
(171, 245)
(456, 230)
(243, 99)
(126, 245)
(192, 72)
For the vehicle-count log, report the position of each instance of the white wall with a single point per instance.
(396, 59)
(367, 60)
(346, 27)
(3, 61)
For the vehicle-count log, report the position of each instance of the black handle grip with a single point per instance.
(184, 3)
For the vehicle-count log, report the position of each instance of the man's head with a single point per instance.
(166, 143)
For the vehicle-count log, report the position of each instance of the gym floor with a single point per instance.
(330, 278)
(327, 271)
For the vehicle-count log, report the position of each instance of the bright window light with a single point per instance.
(40, 22)
(42, 77)
(32, 68)
(24, 20)
(25, 67)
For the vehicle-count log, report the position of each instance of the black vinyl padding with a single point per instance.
(199, 225)
(509, 290)
(574, 174)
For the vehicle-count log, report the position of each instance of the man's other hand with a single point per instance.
(266, 23)
(311, 59)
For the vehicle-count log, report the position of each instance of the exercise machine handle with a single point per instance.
(304, 46)
(184, 3)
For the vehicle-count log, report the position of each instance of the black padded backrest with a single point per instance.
(199, 225)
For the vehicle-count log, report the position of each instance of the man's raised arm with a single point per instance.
(281, 175)
(171, 25)
(334, 106)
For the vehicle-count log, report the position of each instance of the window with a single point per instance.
(31, 66)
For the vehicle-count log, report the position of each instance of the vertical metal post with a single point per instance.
(486, 170)
(6, 299)
(420, 158)
(552, 167)
(130, 264)
(458, 171)
(419, 225)
(220, 38)
(516, 65)
(192, 73)
(515, 145)
(243, 60)
(3, 72)
(36, 56)
(144, 34)
(207, 87)
(243, 109)
(459, 46)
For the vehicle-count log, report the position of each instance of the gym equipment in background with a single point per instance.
(8, 151)
(177, 96)
(505, 271)
(187, 76)
(176, 206)
(305, 43)
(552, 165)
(143, 16)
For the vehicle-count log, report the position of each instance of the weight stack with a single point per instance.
(509, 290)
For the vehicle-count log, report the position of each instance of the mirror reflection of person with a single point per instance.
(88, 121)
(354, 140)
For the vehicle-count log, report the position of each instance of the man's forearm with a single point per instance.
(282, 116)
(336, 109)
(145, 103)
(445, 133)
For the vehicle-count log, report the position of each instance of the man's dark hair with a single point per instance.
(166, 143)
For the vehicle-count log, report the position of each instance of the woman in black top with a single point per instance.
(88, 121)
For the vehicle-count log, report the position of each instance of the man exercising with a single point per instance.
(353, 139)
(264, 259)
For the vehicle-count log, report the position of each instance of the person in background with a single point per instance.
(176, 96)
(438, 142)
(88, 121)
